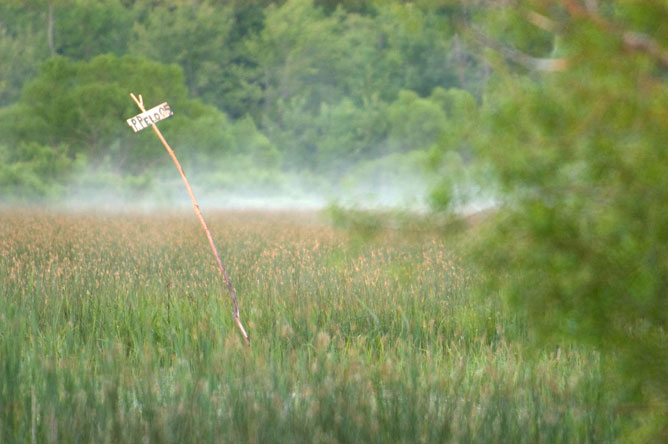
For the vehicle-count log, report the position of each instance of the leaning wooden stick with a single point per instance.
(142, 121)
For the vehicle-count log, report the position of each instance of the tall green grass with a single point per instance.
(117, 328)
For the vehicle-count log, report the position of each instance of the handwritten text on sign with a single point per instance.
(150, 117)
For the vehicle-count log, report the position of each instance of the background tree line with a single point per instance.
(330, 92)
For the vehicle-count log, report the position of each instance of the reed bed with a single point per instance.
(117, 328)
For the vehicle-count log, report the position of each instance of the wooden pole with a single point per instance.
(140, 103)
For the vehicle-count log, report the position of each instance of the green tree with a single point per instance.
(23, 47)
(580, 240)
(81, 103)
(451, 158)
(208, 41)
(415, 123)
(32, 171)
(349, 134)
(424, 42)
(290, 50)
(76, 111)
(354, 6)
(190, 35)
(84, 105)
(323, 57)
(84, 29)
(22, 54)
(240, 88)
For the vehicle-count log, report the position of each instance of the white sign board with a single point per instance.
(150, 117)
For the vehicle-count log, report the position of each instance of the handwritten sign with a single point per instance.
(150, 117)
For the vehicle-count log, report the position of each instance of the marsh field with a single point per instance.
(117, 328)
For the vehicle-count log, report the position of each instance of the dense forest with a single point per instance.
(268, 96)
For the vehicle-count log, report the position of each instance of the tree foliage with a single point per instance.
(579, 242)
(302, 87)
(76, 110)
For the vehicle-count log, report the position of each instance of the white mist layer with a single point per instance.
(173, 195)
(398, 181)
(169, 196)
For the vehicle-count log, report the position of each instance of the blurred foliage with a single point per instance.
(579, 237)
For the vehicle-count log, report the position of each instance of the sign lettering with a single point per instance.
(150, 117)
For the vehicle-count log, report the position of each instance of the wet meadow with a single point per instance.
(117, 328)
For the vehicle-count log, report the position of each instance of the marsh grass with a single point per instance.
(116, 328)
